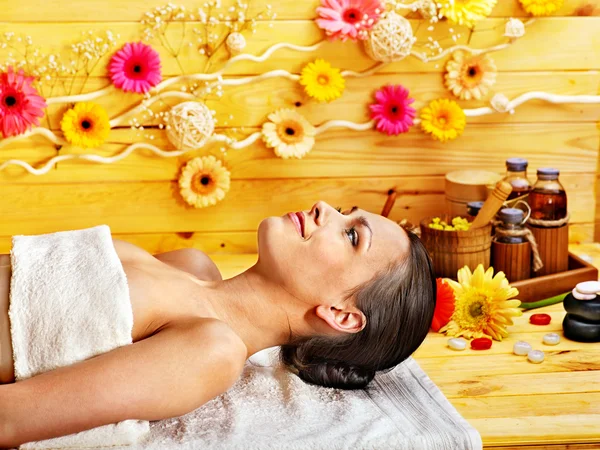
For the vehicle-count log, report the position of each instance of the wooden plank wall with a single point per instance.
(138, 196)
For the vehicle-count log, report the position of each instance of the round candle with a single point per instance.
(551, 339)
(457, 343)
(521, 348)
(535, 356)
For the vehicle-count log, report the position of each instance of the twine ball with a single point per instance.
(391, 39)
(236, 43)
(514, 29)
(190, 125)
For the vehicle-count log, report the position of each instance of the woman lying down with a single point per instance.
(345, 294)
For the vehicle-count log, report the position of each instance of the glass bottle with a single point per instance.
(473, 209)
(516, 175)
(548, 200)
(512, 219)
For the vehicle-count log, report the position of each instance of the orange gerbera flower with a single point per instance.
(444, 305)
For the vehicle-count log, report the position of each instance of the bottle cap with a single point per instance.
(516, 164)
(548, 173)
(511, 215)
(473, 208)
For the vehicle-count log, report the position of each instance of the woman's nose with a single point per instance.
(320, 211)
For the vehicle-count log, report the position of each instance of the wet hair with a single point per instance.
(398, 304)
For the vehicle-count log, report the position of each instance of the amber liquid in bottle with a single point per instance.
(548, 205)
(519, 190)
(520, 184)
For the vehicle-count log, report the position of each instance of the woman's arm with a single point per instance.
(168, 374)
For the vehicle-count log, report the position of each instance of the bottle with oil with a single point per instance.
(548, 199)
(511, 251)
(516, 175)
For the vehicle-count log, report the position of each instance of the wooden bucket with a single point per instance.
(452, 250)
(512, 259)
(553, 244)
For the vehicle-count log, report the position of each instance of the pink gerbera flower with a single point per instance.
(392, 112)
(20, 103)
(348, 19)
(135, 68)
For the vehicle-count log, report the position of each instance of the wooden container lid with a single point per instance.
(470, 185)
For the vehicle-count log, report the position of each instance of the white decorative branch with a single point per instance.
(80, 97)
(509, 107)
(94, 158)
(34, 131)
(195, 77)
(473, 51)
(344, 124)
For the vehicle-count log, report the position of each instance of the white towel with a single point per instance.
(271, 409)
(69, 301)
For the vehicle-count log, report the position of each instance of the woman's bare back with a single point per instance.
(161, 291)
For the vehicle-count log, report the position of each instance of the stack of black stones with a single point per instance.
(582, 321)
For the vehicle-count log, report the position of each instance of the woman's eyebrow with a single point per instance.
(363, 221)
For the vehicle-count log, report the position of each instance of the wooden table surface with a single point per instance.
(510, 401)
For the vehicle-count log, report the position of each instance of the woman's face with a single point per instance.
(321, 254)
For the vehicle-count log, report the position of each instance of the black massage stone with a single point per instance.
(588, 310)
(581, 330)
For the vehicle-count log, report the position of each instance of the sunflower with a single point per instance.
(86, 125)
(483, 305)
(204, 181)
(321, 81)
(470, 77)
(467, 12)
(443, 119)
(289, 134)
(541, 7)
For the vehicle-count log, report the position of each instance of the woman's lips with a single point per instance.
(298, 220)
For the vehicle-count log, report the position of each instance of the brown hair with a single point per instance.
(398, 304)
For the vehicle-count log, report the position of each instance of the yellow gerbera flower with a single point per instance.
(204, 181)
(321, 81)
(484, 304)
(541, 7)
(86, 125)
(467, 12)
(443, 119)
(470, 77)
(289, 134)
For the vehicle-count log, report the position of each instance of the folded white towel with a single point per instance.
(69, 301)
(271, 409)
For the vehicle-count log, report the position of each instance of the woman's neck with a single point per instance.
(260, 311)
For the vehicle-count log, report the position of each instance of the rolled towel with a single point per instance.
(69, 301)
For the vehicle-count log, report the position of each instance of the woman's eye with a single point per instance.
(353, 235)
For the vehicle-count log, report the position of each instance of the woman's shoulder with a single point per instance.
(193, 261)
(190, 260)
(220, 345)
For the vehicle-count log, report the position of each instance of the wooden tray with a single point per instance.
(539, 288)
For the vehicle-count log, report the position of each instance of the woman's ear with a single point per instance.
(348, 319)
